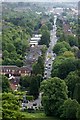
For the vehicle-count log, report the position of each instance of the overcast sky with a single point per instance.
(40, 0)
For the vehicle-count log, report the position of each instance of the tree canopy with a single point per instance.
(54, 94)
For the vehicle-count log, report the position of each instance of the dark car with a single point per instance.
(34, 104)
(49, 64)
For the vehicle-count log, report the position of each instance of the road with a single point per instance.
(50, 56)
(35, 104)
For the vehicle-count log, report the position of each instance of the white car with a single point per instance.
(53, 58)
(45, 68)
(45, 73)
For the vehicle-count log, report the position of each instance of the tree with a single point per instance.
(49, 25)
(43, 28)
(14, 45)
(45, 39)
(43, 50)
(19, 62)
(10, 107)
(54, 94)
(58, 60)
(52, 20)
(78, 113)
(73, 41)
(61, 45)
(75, 50)
(62, 50)
(69, 109)
(66, 67)
(5, 84)
(5, 54)
(71, 80)
(38, 67)
(68, 54)
(39, 79)
(41, 63)
(76, 94)
(13, 55)
(10, 47)
(34, 87)
(25, 82)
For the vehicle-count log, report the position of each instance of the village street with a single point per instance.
(50, 56)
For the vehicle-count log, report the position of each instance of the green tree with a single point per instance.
(54, 94)
(38, 67)
(71, 80)
(68, 54)
(78, 113)
(49, 25)
(61, 45)
(25, 82)
(73, 41)
(66, 67)
(6, 61)
(58, 60)
(45, 39)
(10, 107)
(43, 50)
(39, 79)
(5, 84)
(10, 47)
(5, 54)
(19, 62)
(69, 109)
(43, 28)
(34, 87)
(76, 94)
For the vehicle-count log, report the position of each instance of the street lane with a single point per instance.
(50, 56)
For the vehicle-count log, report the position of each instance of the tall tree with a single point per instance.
(69, 109)
(71, 80)
(45, 39)
(34, 87)
(54, 94)
(76, 94)
(5, 84)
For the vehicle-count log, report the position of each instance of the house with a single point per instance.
(14, 70)
(35, 39)
(13, 73)
(14, 82)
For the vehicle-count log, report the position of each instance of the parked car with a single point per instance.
(34, 104)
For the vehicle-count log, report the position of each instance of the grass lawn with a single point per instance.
(39, 116)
